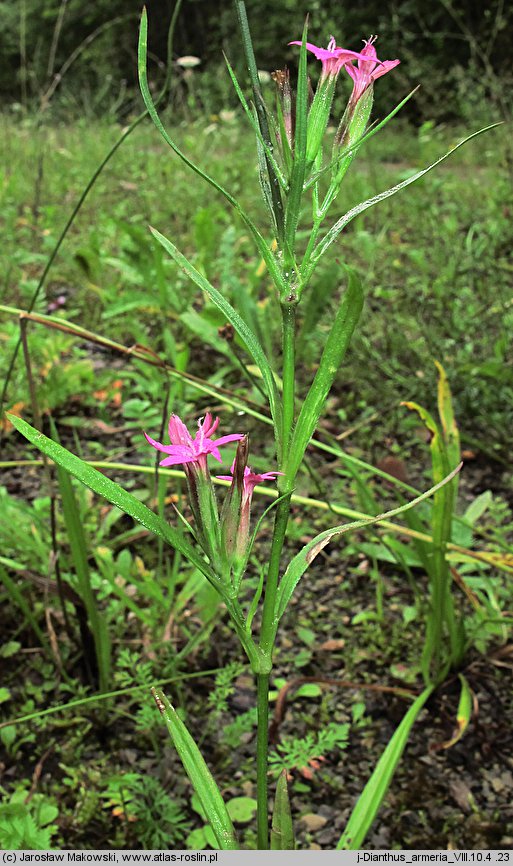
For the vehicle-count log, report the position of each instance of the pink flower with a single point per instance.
(369, 68)
(251, 479)
(185, 449)
(333, 58)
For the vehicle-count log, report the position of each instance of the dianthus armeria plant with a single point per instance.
(301, 170)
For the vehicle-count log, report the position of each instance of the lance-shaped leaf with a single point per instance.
(113, 493)
(450, 431)
(263, 247)
(266, 147)
(338, 340)
(335, 230)
(293, 206)
(261, 113)
(282, 830)
(244, 331)
(463, 714)
(79, 553)
(445, 451)
(201, 778)
(372, 796)
(307, 554)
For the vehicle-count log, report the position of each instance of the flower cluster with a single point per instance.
(225, 538)
(335, 59)
(185, 449)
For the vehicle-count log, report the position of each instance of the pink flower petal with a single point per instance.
(168, 449)
(178, 459)
(232, 437)
(341, 55)
(385, 67)
(178, 433)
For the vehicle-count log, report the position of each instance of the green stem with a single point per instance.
(262, 753)
(310, 247)
(268, 629)
(267, 637)
(288, 313)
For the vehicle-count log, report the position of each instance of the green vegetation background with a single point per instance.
(455, 50)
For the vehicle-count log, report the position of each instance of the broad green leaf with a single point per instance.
(335, 230)
(263, 247)
(338, 340)
(199, 774)
(242, 809)
(113, 493)
(245, 333)
(299, 564)
(372, 796)
(197, 841)
(282, 830)
(477, 508)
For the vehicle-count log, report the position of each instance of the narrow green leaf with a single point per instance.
(282, 830)
(298, 565)
(113, 493)
(372, 796)
(277, 204)
(335, 230)
(444, 442)
(338, 340)
(78, 548)
(199, 774)
(244, 331)
(19, 600)
(263, 247)
(293, 205)
(449, 427)
(255, 127)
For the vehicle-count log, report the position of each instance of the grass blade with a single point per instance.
(463, 714)
(372, 796)
(78, 547)
(19, 600)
